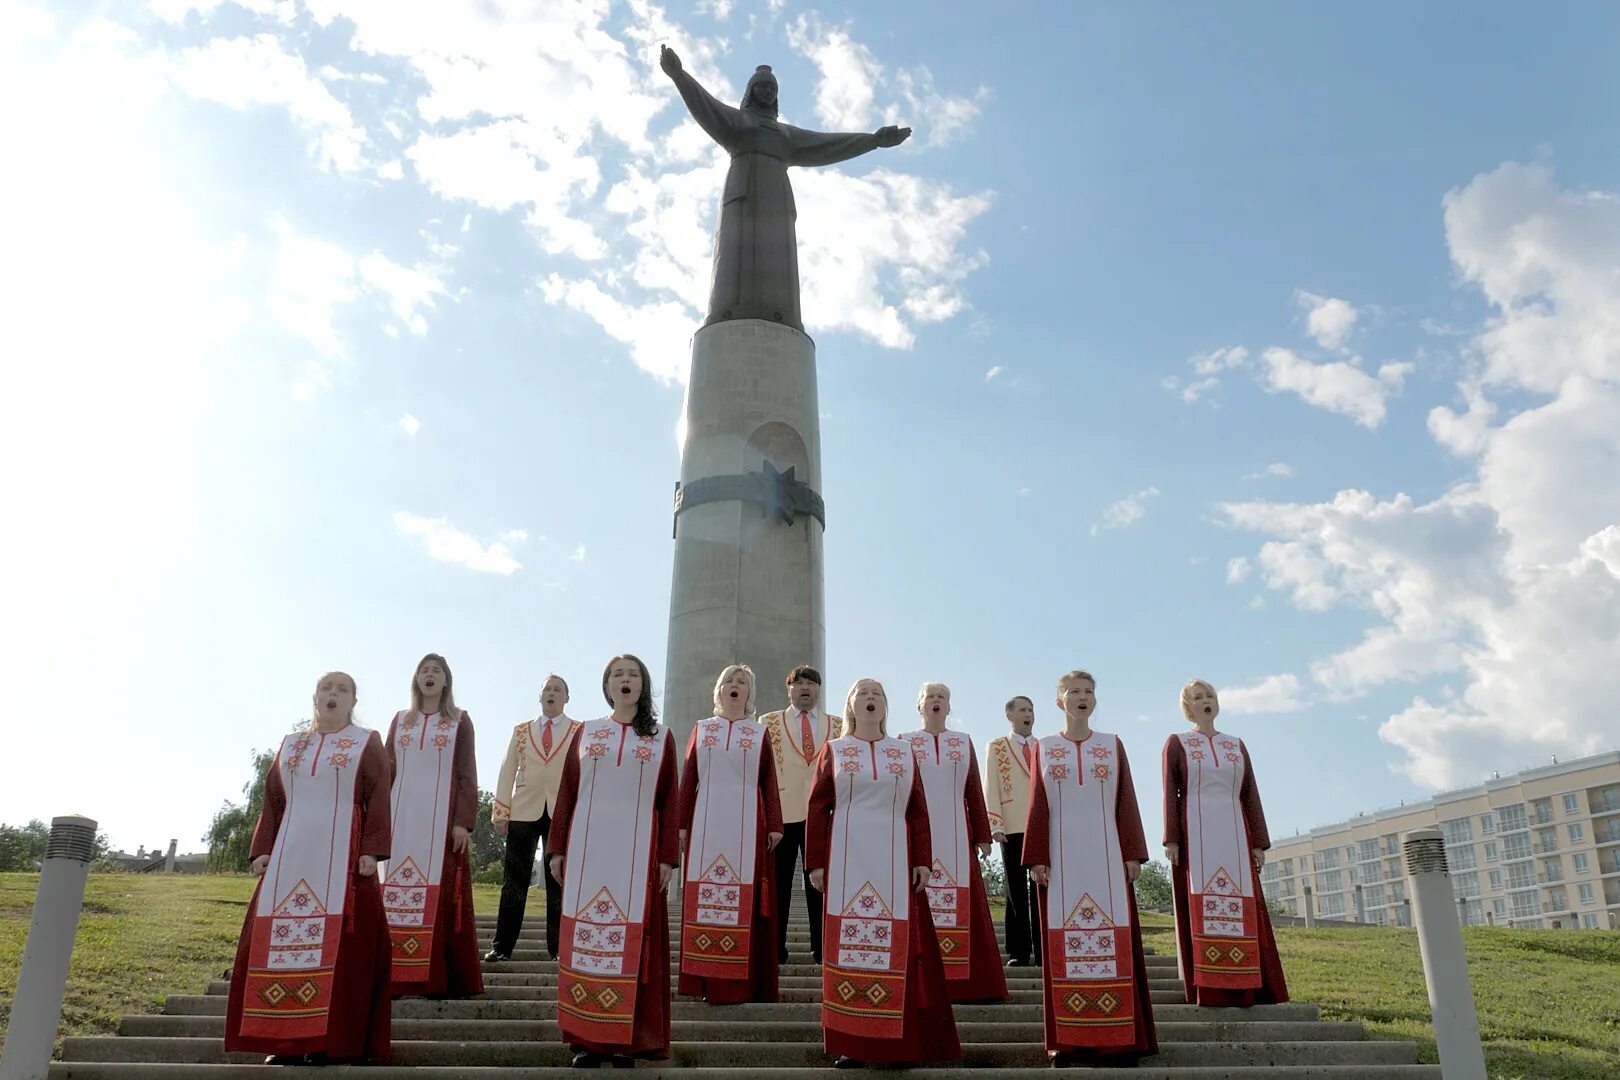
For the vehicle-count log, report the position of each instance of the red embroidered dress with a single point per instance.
(1224, 944)
(1084, 826)
(729, 805)
(311, 973)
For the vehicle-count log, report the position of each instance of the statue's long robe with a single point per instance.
(756, 249)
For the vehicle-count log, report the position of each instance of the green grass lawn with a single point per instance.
(1549, 1000)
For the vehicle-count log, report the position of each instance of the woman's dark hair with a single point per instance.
(646, 715)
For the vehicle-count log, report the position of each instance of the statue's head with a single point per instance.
(1199, 701)
(761, 92)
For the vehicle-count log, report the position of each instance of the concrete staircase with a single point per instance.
(512, 1028)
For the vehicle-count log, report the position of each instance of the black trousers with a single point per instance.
(517, 870)
(1023, 929)
(787, 853)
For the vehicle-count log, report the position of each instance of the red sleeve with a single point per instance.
(667, 805)
(1037, 829)
(371, 794)
(1254, 815)
(562, 809)
(978, 818)
(464, 787)
(689, 783)
(275, 804)
(1175, 789)
(919, 840)
(1127, 815)
(768, 791)
(818, 821)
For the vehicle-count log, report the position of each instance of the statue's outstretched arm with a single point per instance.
(719, 120)
(831, 147)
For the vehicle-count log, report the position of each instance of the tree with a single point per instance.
(22, 847)
(488, 847)
(994, 874)
(230, 836)
(1153, 886)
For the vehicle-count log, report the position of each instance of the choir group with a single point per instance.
(365, 890)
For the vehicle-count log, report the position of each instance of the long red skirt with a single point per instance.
(359, 1024)
(453, 969)
(1273, 987)
(987, 980)
(928, 1031)
(649, 1028)
(1147, 1038)
(761, 984)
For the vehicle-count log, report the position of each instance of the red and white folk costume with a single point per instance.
(427, 888)
(883, 994)
(1227, 953)
(729, 807)
(1084, 826)
(957, 821)
(617, 817)
(311, 974)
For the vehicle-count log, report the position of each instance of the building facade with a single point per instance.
(1540, 848)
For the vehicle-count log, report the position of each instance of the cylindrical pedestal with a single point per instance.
(37, 1008)
(1445, 966)
(1310, 909)
(1361, 906)
(747, 584)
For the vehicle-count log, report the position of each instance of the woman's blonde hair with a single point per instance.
(1186, 696)
(928, 686)
(315, 705)
(1075, 674)
(447, 700)
(849, 707)
(727, 672)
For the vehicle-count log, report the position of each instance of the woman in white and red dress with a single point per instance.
(1216, 841)
(427, 883)
(959, 828)
(883, 994)
(616, 830)
(1084, 847)
(731, 819)
(311, 978)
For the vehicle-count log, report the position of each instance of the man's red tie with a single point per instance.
(545, 738)
(806, 735)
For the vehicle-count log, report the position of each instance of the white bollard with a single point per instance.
(37, 1008)
(1445, 966)
(1310, 910)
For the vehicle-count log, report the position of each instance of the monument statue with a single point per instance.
(756, 251)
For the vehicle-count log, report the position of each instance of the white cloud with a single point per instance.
(1276, 468)
(409, 289)
(448, 544)
(1273, 694)
(1238, 569)
(1125, 512)
(1505, 590)
(391, 170)
(409, 424)
(1336, 386)
(578, 554)
(1328, 319)
(1207, 371)
(515, 536)
(992, 373)
(243, 72)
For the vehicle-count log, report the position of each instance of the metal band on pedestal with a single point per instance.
(779, 494)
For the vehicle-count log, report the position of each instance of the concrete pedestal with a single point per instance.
(747, 585)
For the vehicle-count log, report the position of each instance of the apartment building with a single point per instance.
(1540, 848)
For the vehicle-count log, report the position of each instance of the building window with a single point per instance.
(1572, 804)
(1496, 880)
(1487, 824)
(1464, 885)
(1511, 818)
(1462, 858)
(1580, 863)
(1610, 800)
(1372, 897)
(1457, 830)
(1585, 892)
(1332, 906)
(1547, 840)
(1589, 921)
(1372, 873)
(1499, 907)
(1288, 868)
(1556, 900)
(1577, 833)
(1524, 905)
(1551, 870)
(1543, 810)
(1368, 849)
(1392, 844)
(1330, 882)
(1327, 860)
(1516, 846)
(1521, 876)
(1490, 851)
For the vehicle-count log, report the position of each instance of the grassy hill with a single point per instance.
(1549, 1001)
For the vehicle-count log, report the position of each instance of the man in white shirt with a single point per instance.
(1006, 777)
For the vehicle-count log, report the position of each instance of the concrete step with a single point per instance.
(1150, 1071)
(546, 986)
(1175, 1049)
(1175, 1023)
(538, 1007)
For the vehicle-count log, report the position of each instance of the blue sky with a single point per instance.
(1278, 346)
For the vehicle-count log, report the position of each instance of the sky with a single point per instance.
(1276, 345)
